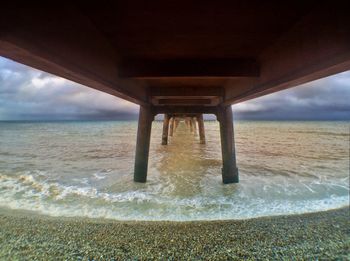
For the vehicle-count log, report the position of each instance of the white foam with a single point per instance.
(28, 193)
(99, 175)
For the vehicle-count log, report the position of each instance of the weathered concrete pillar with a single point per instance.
(229, 168)
(176, 123)
(191, 124)
(201, 128)
(142, 144)
(187, 122)
(194, 124)
(165, 129)
(171, 123)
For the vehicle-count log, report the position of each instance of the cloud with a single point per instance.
(323, 99)
(29, 94)
(26, 93)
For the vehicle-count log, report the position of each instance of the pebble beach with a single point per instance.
(29, 236)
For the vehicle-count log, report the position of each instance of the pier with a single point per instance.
(191, 121)
(180, 58)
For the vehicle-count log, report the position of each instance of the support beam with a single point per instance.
(143, 141)
(172, 122)
(229, 168)
(50, 38)
(317, 46)
(201, 128)
(185, 109)
(227, 67)
(165, 129)
(186, 91)
(185, 101)
(191, 124)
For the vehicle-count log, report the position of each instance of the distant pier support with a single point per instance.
(229, 168)
(142, 145)
(176, 123)
(201, 128)
(191, 124)
(187, 122)
(194, 124)
(165, 129)
(171, 126)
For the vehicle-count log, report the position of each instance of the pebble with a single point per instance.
(324, 235)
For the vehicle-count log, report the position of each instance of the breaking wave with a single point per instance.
(27, 193)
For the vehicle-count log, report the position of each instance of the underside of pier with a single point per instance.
(181, 57)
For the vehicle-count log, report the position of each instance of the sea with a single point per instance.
(85, 169)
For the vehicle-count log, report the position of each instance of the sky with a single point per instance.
(29, 94)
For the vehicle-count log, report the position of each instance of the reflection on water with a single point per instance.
(86, 169)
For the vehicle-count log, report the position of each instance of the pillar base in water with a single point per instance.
(229, 169)
(230, 175)
(165, 129)
(201, 128)
(140, 177)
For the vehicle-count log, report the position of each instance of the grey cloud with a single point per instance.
(324, 99)
(29, 94)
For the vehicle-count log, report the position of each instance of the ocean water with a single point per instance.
(86, 169)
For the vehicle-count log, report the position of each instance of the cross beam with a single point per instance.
(154, 68)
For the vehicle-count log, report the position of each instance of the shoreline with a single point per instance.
(28, 235)
(5, 211)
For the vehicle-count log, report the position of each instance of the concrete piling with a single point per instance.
(142, 144)
(176, 123)
(229, 168)
(191, 124)
(201, 128)
(165, 129)
(194, 125)
(171, 126)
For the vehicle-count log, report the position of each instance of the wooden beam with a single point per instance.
(65, 43)
(184, 109)
(317, 46)
(152, 68)
(184, 101)
(187, 91)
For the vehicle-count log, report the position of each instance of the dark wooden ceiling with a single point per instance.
(156, 51)
(194, 29)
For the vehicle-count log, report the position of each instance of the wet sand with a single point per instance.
(27, 236)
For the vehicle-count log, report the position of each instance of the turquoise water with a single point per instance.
(86, 169)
